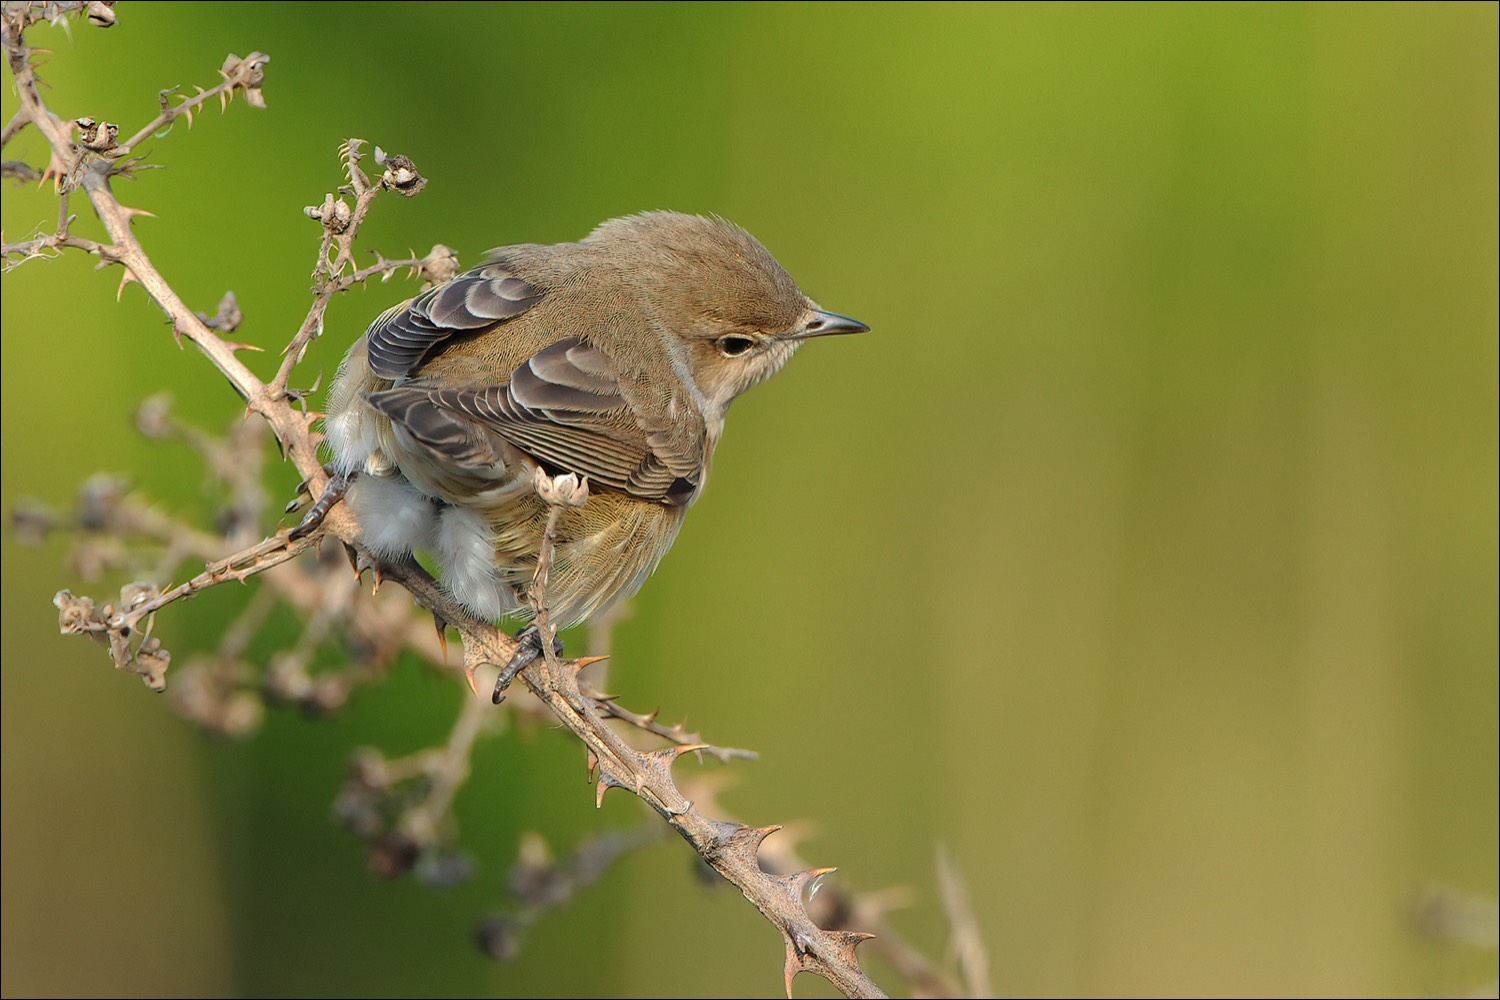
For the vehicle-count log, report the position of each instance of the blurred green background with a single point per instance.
(1144, 556)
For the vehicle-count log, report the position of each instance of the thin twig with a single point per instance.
(968, 945)
(17, 122)
(541, 884)
(170, 113)
(610, 709)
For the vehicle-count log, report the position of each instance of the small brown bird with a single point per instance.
(613, 358)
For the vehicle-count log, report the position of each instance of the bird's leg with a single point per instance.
(530, 639)
(338, 485)
(539, 638)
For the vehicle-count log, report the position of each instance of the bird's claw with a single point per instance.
(528, 648)
(338, 485)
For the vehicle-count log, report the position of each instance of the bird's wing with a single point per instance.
(563, 407)
(404, 336)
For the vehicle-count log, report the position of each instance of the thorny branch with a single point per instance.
(84, 155)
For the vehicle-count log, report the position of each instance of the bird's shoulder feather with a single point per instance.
(563, 406)
(406, 336)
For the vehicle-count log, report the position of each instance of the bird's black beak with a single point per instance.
(827, 324)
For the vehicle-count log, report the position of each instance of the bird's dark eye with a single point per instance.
(733, 346)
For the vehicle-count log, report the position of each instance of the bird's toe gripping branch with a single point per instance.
(528, 648)
(338, 485)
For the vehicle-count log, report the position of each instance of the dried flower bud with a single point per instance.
(499, 937)
(440, 264)
(392, 855)
(247, 74)
(98, 500)
(443, 868)
(335, 215)
(566, 490)
(227, 318)
(97, 137)
(153, 417)
(102, 13)
(207, 694)
(151, 662)
(31, 522)
(76, 615)
(133, 595)
(287, 680)
(400, 173)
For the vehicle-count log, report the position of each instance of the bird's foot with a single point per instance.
(338, 485)
(528, 648)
